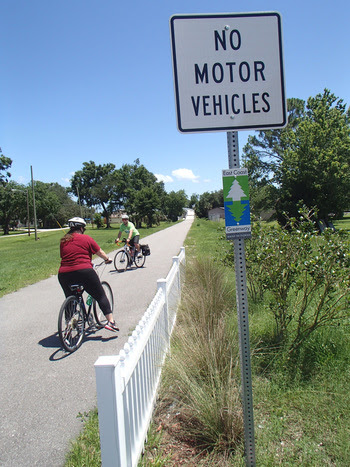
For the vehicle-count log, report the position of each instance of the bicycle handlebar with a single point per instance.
(102, 262)
(123, 240)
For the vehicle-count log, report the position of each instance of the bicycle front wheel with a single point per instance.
(71, 324)
(140, 259)
(121, 261)
(99, 315)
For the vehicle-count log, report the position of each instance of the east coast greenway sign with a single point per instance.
(228, 71)
(236, 203)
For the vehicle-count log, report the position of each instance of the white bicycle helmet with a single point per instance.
(125, 216)
(76, 222)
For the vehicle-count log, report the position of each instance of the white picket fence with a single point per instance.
(127, 383)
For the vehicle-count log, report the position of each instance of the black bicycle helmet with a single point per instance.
(76, 222)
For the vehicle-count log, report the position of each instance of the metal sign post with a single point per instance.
(243, 323)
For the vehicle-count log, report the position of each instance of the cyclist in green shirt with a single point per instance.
(132, 232)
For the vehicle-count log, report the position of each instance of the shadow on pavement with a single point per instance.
(53, 341)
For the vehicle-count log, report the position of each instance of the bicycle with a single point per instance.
(125, 257)
(75, 314)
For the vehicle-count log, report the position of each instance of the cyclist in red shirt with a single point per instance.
(76, 251)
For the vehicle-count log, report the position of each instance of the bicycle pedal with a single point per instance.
(91, 321)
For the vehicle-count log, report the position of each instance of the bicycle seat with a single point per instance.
(77, 288)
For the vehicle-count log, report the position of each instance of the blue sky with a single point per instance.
(92, 80)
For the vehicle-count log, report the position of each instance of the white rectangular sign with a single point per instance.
(228, 71)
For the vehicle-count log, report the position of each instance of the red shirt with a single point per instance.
(77, 253)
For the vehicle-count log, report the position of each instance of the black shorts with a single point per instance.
(134, 240)
(91, 282)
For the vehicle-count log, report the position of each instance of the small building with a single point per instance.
(116, 217)
(216, 214)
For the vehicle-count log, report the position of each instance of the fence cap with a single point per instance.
(107, 360)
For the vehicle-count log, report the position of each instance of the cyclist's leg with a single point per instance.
(132, 247)
(135, 244)
(99, 315)
(93, 286)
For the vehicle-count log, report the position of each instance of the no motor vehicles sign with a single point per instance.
(228, 71)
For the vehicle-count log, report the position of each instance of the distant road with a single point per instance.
(42, 388)
(32, 232)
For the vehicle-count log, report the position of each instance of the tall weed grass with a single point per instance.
(201, 383)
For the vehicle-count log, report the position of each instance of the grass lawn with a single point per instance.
(24, 261)
(343, 223)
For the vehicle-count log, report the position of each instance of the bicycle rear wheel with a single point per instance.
(121, 261)
(139, 259)
(99, 315)
(71, 324)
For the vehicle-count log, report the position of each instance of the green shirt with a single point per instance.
(128, 227)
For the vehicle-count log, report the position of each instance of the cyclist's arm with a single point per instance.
(103, 255)
(130, 235)
(119, 235)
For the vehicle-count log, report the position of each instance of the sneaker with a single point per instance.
(111, 326)
(139, 255)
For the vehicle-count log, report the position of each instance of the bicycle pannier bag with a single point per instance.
(145, 250)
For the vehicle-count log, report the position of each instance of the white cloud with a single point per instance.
(185, 174)
(21, 179)
(164, 178)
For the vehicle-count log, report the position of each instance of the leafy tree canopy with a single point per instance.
(207, 201)
(98, 185)
(134, 179)
(5, 164)
(175, 202)
(12, 204)
(305, 163)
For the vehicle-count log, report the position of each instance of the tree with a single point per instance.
(316, 167)
(146, 204)
(8, 198)
(305, 163)
(262, 156)
(134, 178)
(193, 200)
(98, 185)
(207, 201)
(12, 204)
(175, 202)
(53, 205)
(67, 207)
(5, 163)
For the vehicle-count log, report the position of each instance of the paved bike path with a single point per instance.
(42, 389)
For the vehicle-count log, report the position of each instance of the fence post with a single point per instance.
(176, 260)
(182, 249)
(162, 284)
(109, 385)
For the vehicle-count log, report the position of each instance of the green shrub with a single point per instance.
(98, 220)
(304, 278)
